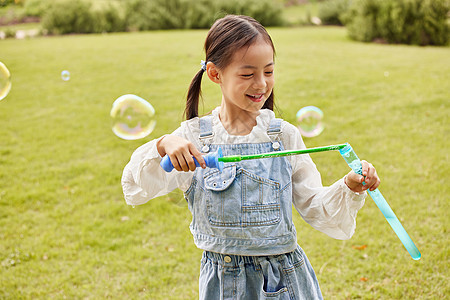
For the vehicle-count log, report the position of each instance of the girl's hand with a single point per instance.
(180, 152)
(354, 181)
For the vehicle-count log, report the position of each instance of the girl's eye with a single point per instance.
(247, 75)
(269, 72)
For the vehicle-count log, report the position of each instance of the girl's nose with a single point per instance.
(259, 82)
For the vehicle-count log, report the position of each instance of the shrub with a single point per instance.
(71, 16)
(6, 2)
(77, 16)
(36, 8)
(360, 18)
(331, 12)
(201, 15)
(267, 12)
(169, 14)
(436, 22)
(10, 33)
(156, 14)
(418, 22)
(109, 19)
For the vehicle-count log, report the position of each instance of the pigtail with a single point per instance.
(193, 96)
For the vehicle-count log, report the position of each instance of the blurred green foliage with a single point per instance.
(6, 2)
(80, 16)
(417, 22)
(36, 8)
(69, 17)
(413, 22)
(331, 12)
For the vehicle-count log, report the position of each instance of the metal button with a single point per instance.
(205, 148)
(276, 145)
(227, 259)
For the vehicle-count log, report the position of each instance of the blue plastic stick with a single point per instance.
(355, 164)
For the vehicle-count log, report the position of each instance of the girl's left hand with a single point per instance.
(369, 176)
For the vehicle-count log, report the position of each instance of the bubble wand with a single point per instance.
(216, 160)
(354, 163)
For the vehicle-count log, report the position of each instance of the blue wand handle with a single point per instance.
(355, 164)
(211, 160)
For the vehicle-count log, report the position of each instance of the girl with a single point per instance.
(242, 216)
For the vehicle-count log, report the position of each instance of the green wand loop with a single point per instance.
(355, 164)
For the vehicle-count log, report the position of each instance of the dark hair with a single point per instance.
(226, 36)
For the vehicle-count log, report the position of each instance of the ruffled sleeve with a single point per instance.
(144, 179)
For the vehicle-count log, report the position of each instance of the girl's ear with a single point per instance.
(213, 72)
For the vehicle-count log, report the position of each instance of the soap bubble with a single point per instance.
(5, 81)
(132, 117)
(309, 121)
(65, 75)
(176, 197)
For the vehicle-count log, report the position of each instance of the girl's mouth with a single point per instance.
(256, 97)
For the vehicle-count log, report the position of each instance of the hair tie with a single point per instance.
(203, 64)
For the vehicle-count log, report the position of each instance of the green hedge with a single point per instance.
(79, 16)
(36, 8)
(69, 17)
(4, 3)
(175, 14)
(332, 11)
(417, 22)
(267, 12)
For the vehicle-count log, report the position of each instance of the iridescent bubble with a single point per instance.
(5, 81)
(65, 75)
(176, 197)
(133, 118)
(309, 121)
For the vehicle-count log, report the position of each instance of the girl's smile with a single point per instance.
(256, 98)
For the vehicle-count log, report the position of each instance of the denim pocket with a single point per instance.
(238, 198)
(280, 294)
(261, 200)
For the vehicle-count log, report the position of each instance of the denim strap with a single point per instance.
(274, 132)
(274, 126)
(206, 132)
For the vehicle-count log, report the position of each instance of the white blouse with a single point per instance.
(331, 210)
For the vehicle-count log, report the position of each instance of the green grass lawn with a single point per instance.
(66, 231)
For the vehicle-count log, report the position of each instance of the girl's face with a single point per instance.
(248, 80)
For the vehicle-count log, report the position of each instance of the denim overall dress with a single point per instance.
(242, 218)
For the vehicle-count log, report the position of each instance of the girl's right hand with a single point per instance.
(180, 152)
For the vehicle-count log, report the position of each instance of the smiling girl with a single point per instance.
(242, 216)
